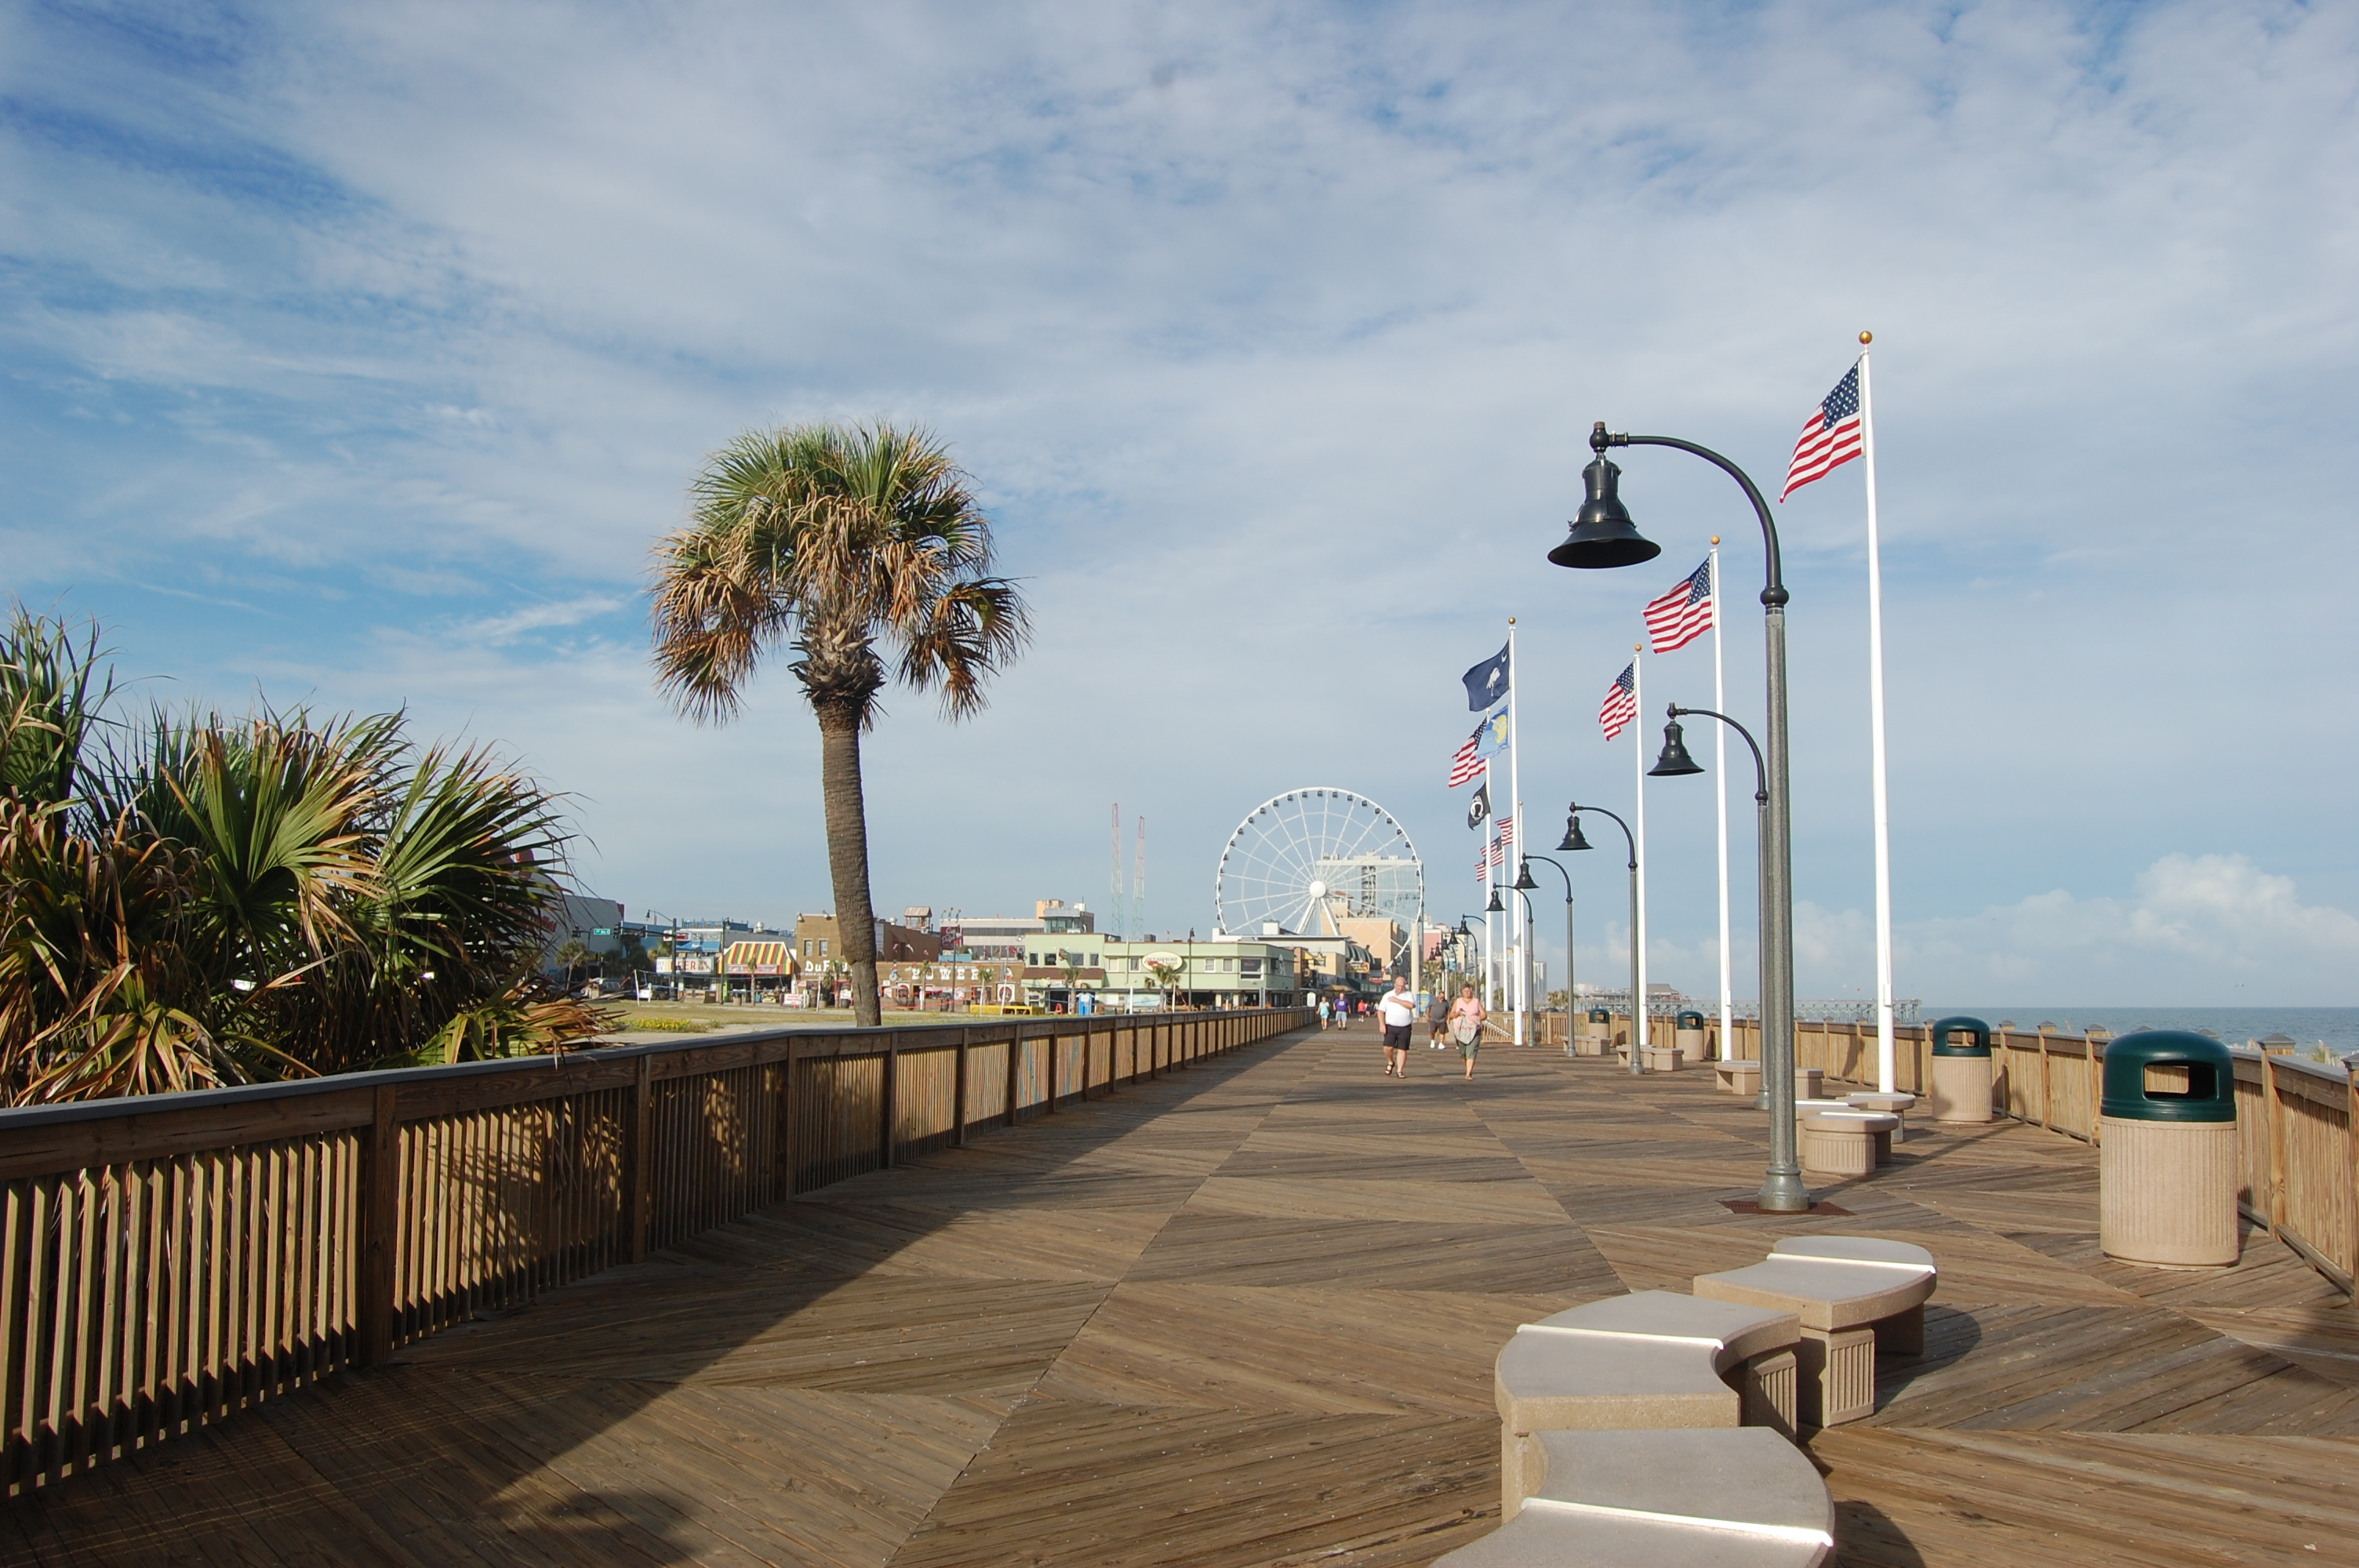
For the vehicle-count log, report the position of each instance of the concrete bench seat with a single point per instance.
(1848, 1298)
(1847, 1143)
(1713, 1498)
(1651, 1359)
(1737, 1078)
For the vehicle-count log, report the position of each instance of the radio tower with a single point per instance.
(1138, 872)
(1114, 910)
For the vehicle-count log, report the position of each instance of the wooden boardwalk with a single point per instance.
(1246, 1316)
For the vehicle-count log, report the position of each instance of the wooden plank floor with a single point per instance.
(1246, 1316)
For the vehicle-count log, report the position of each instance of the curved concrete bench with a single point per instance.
(1850, 1293)
(1652, 1359)
(1740, 1496)
(1847, 1143)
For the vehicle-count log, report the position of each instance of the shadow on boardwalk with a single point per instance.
(1246, 1316)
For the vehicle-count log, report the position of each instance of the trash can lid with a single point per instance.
(2196, 1081)
(1598, 1015)
(1945, 1045)
(1692, 1019)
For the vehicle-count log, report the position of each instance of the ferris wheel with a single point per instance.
(1304, 860)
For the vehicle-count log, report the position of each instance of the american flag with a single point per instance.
(1683, 615)
(1498, 853)
(1466, 764)
(1506, 829)
(1830, 436)
(1621, 704)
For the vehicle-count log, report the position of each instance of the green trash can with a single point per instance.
(1688, 1037)
(1961, 1070)
(1596, 1033)
(2169, 1163)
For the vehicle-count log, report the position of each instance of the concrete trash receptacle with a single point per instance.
(1961, 1071)
(1687, 1037)
(2167, 1163)
(1596, 1031)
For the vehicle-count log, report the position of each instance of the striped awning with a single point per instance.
(759, 958)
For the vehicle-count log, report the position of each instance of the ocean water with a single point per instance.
(2337, 1027)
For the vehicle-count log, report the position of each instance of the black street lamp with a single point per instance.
(1675, 763)
(1574, 841)
(1602, 535)
(1524, 879)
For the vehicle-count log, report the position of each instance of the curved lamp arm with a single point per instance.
(1760, 769)
(1775, 593)
(1544, 860)
(1618, 823)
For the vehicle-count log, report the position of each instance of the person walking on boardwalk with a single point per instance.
(1323, 1015)
(1466, 1026)
(1399, 1009)
(1437, 1018)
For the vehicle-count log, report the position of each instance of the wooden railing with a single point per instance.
(2297, 1122)
(167, 1259)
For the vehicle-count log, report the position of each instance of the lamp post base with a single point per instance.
(1784, 1193)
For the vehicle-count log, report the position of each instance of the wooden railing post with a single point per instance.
(790, 1152)
(1089, 1049)
(1015, 1070)
(380, 1215)
(884, 1101)
(2350, 1163)
(639, 1158)
(2273, 1121)
(958, 1136)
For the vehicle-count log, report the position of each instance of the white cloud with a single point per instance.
(497, 631)
(2195, 929)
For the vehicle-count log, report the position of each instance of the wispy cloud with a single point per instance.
(498, 630)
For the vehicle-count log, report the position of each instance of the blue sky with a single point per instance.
(357, 355)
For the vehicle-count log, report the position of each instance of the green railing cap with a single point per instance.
(1945, 1045)
(2210, 1091)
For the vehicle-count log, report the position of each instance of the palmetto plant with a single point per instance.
(211, 900)
(863, 554)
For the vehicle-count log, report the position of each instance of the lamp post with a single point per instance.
(1675, 763)
(1602, 535)
(1573, 840)
(1465, 934)
(1524, 879)
(1495, 907)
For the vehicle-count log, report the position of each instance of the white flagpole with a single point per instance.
(1491, 970)
(1720, 784)
(1515, 922)
(1638, 772)
(1883, 1047)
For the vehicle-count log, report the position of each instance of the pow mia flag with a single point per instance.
(1479, 808)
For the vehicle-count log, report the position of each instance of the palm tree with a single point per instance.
(194, 900)
(864, 554)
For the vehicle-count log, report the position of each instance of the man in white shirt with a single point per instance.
(1398, 1007)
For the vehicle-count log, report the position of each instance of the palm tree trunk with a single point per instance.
(847, 852)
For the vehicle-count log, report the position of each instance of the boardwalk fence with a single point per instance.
(167, 1259)
(2297, 1122)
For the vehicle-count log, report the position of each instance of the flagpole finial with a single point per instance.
(1866, 339)
(1715, 538)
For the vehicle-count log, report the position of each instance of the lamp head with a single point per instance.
(1495, 907)
(1602, 534)
(1674, 762)
(1524, 875)
(1462, 930)
(1572, 837)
